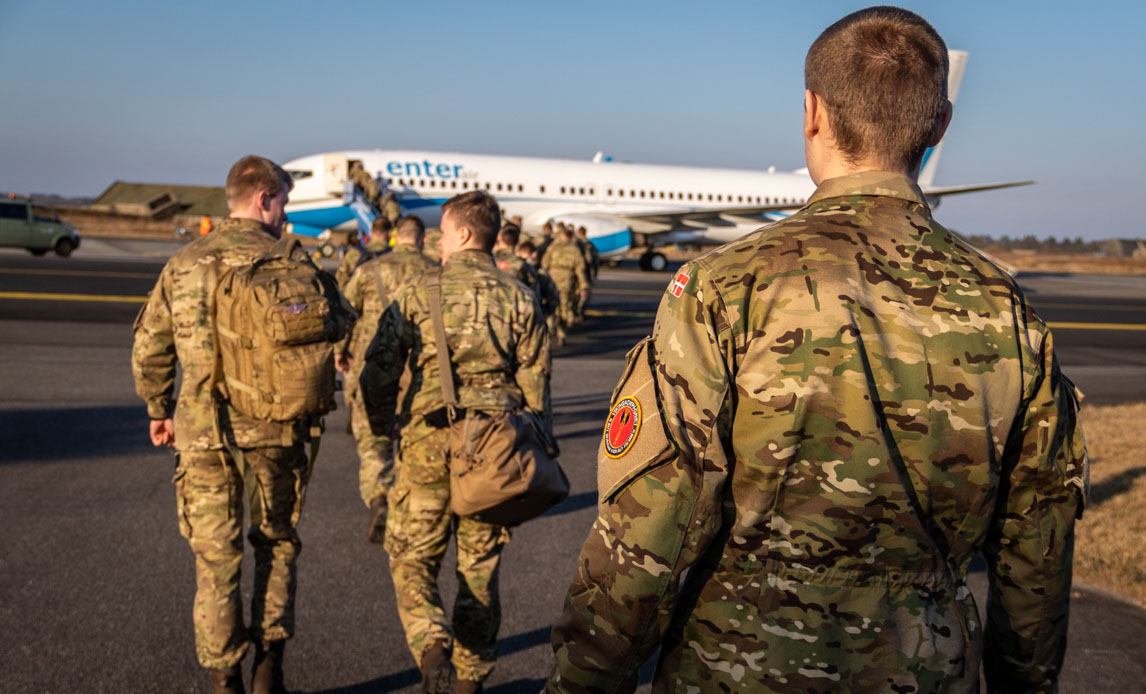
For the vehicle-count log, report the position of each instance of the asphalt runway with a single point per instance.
(96, 583)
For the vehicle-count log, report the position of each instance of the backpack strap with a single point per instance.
(445, 369)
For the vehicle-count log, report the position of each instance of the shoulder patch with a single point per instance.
(503, 265)
(679, 283)
(622, 427)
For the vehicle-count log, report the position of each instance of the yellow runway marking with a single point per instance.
(1095, 307)
(80, 273)
(105, 298)
(622, 314)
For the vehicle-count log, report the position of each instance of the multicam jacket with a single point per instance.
(498, 344)
(833, 416)
(176, 324)
(391, 270)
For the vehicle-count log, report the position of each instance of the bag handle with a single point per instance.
(445, 369)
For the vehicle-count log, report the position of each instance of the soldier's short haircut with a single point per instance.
(410, 229)
(526, 247)
(509, 235)
(252, 175)
(566, 232)
(547, 226)
(478, 211)
(882, 71)
(380, 225)
(582, 231)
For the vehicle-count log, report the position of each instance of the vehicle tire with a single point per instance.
(327, 250)
(658, 262)
(37, 251)
(643, 261)
(64, 247)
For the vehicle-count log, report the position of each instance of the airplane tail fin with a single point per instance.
(957, 61)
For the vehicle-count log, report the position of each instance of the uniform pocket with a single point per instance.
(181, 498)
(636, 439)
(398, 507)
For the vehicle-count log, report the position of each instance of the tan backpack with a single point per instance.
(276, 321)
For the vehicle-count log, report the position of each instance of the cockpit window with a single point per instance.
(298, 174)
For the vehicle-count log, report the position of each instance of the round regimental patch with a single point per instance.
(622, 426)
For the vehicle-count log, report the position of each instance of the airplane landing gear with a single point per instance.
(653, 261)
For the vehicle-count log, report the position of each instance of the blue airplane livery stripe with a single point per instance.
(322, 218)
(926, 156)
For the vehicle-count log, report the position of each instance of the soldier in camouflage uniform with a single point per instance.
(366, 184)
(545, 289)
(500, 355)
(544, 242)
(432, 248)
(177, 324)
(833, 416)
(566, 265)
(354, 256)
(370, 290)
(391, 210)
(592, 262)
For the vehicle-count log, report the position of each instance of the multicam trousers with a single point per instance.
(418, 531)
(567, 288)
(209, 487)
(375, 471)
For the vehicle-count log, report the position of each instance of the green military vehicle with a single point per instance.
(39, 229)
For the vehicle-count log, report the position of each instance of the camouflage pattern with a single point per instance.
(391, 209)
(417, 536)
(176, 323)
(367, 185)
(391, 270)
(500, 354)
(432, 247)
(787, 375)
(529, 275)
(566, 265)
(352, 258)
(209, 487)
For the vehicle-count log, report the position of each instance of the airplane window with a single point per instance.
(562, 189)
(421, 184)
(670, 196)
(633, 194)
(499, 186)
(642, 193)
(298, 175)
(520, 188)
(581, 191)
(592, 192)
(720, 198)
(608, 191)
(662, 195)
(465, 184)
(542, 189)
(453, 184)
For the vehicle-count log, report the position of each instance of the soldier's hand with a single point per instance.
(162, 432)
(342, 362)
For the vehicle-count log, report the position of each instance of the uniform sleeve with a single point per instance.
(153, 352)
(354, 299)
(1031, 543)
(533, 363)
(665, 511)
(582, 273)
(385, 360)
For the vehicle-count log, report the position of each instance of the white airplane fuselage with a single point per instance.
(595, 194)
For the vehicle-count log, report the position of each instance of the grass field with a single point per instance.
(1110, 550)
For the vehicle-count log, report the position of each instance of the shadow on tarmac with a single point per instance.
(72, 433)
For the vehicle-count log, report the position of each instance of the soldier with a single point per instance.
(592, 261)
(833, 416)
(357, 254)
(545, 289)
(368, 185)
(210, 477)
(500, 358)
(432, 248)
(390, 208)
(545, 240)
(370, 290)
(566, 265)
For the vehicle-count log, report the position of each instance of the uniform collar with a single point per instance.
(472, 256)
(244, 225)
(873, 183)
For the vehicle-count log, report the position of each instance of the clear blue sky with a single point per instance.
(151, 91)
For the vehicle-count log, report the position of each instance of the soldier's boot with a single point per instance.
(267, 677)
(229, 681)
(468, 687)
(376, 531)
(437, 670)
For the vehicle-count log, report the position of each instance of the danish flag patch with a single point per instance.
(678, 284)
(503, 265)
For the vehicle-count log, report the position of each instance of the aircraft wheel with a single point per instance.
(327, 250)
(656, 262)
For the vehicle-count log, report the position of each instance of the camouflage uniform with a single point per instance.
(589, 252)
(368, 185)
(806, 389)
(176, 323)
(376, 469)
(352, 258)
(432, 247)
(500, 353)
(529, 275)
(391, 209)
(566, 265)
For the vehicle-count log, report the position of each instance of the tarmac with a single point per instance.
(97, 582)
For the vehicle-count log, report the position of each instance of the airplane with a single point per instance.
(621, 205)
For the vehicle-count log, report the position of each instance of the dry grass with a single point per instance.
(1071, 262)
(1110, 551)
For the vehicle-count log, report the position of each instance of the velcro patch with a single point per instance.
(679, 283)
(622, 427)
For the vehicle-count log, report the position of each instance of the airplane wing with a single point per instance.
(958, 190)
(678, 220)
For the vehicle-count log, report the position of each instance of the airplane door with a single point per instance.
(335, 171)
